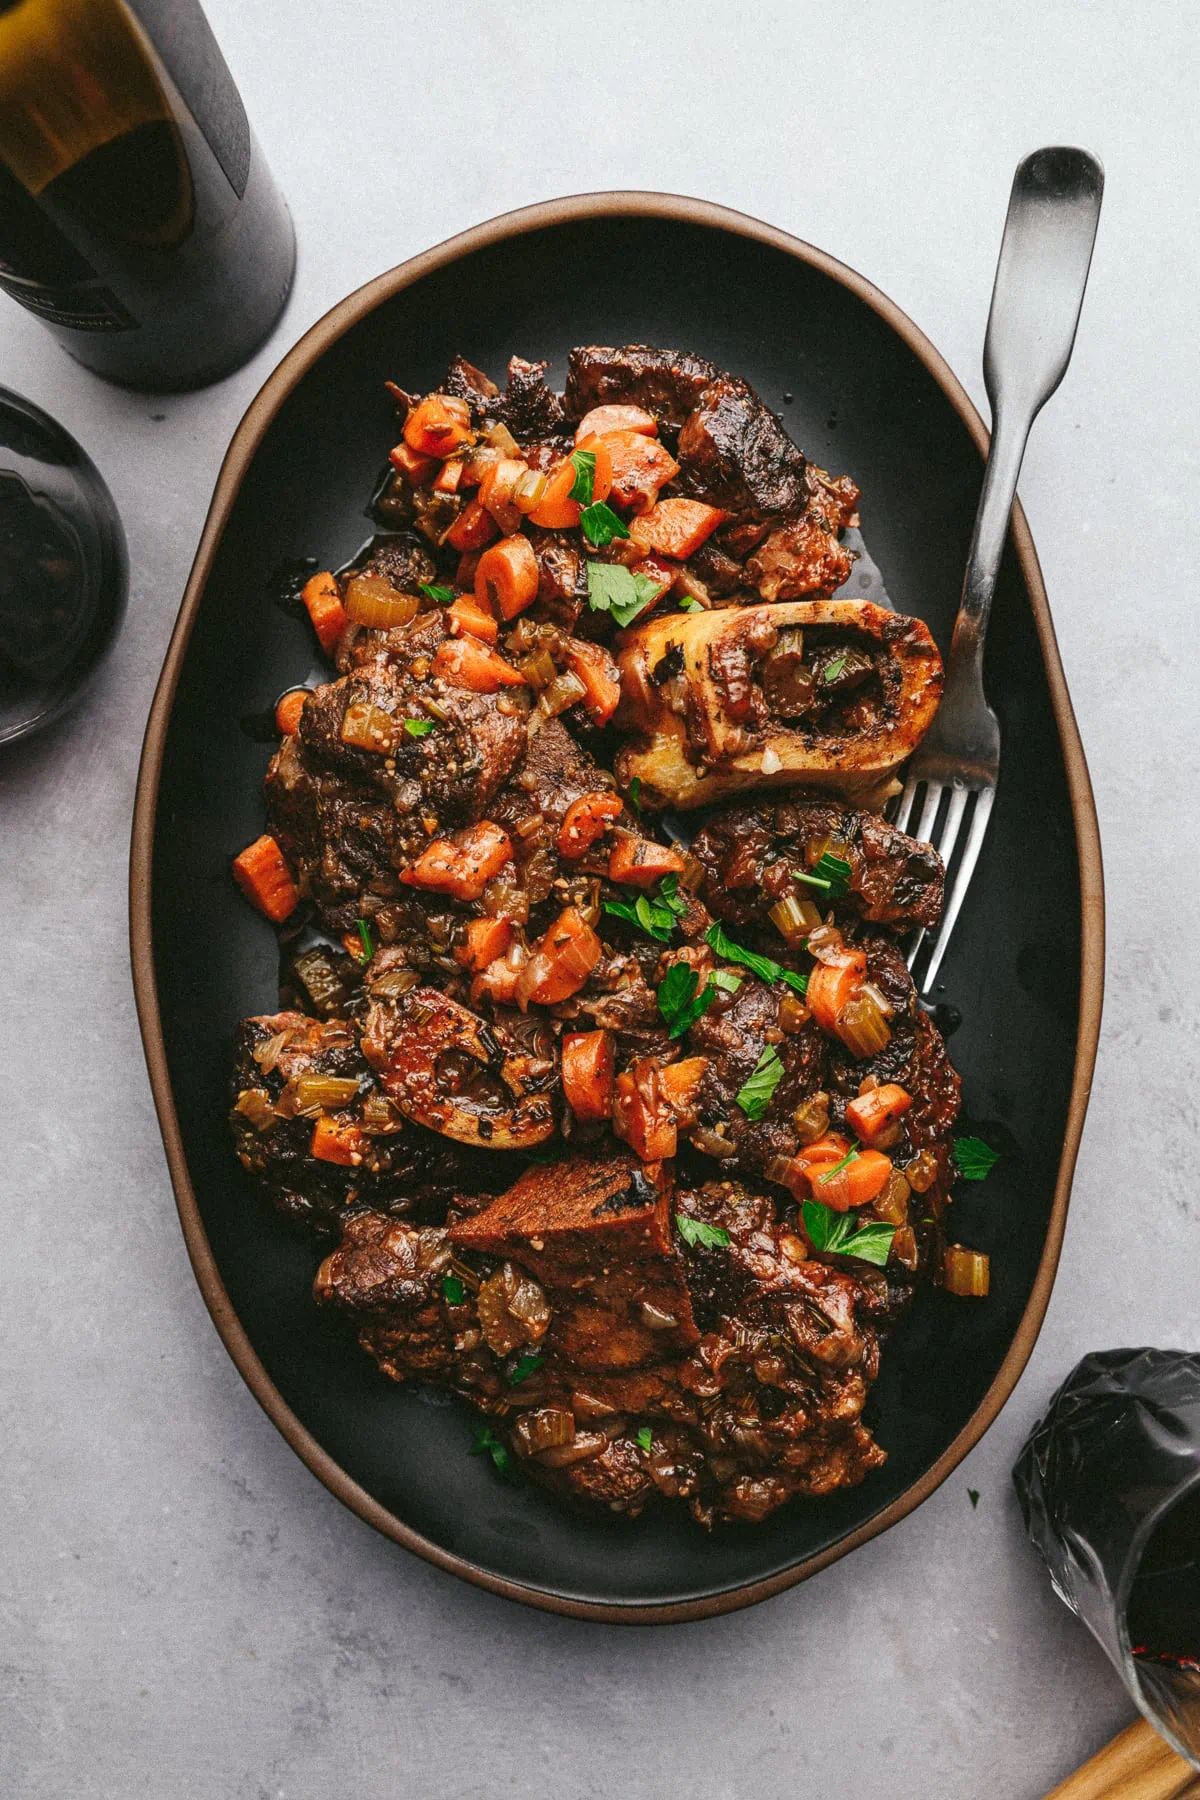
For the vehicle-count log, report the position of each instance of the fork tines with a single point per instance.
(953, 817)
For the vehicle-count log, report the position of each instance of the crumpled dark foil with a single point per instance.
(1118, 1448)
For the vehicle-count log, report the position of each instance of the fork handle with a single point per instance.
(1053, 212)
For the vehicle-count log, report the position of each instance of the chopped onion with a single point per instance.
(811, 1118)
(862, 1026)
(793, 1014)
(921, 1172)
(255, 1104)
(655, 1319)
(539, 669)
(374, 602)
(368, 727)
(395, 983)
(586, 1445)
(563, 692)
(550, 1428)
(966, 1272)
(527, 495)
(505, 1327)
(904, 1247)
(267, 1055)
(772, 762)
(502, 439)
(892, 1204)
(881, 1000)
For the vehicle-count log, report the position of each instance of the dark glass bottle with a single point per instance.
(138, 218)
(62, 568)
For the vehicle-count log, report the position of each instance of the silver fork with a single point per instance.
(1045, 254)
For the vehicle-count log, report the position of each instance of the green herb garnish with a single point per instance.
(763, 966)
(418, 727)
(974, 1159)
(453, 1291)
(973, 1497)
(523, 1368)
(831, 874)
(488, 1444)
(678, 1001)
(600, 525)
(841, 1233)
(850, 1156)
(634, 796)
(834, 669)
(688, 604)
(645, 1439)
(584, 464)
(656, 916)
(364, 932)
(754, 1096)
(695, 1231)
(614, 589)
(442, 595)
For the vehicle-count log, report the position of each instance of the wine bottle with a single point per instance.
(138, 218)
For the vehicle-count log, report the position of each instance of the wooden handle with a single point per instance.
(1138, 1765)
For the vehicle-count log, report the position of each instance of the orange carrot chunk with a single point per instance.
(323, 603)
(338, 1141)
(438, 425)
(642, 1116)
(587, 1073)
(463, 865)
(640, 862)
(466, 615)
(265, 879)
(506, 580)
(417, 470)
(486, 940)
(449, 477)
(680, 1081)
(587, 819)
(603, 419)
(855, 1183)
(466, 663)
(640, 467)
(556, 509)
(473, 528)
(288, 708)
(876, 1111)
(562, 961)
(677, 528)
(592, 665)
(832, 983)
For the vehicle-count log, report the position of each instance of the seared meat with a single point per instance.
(667, 383)
(801, 557)
(391, 1166)
(734, 453)
(750, 851)
(528, 406)
(402, 558)
(732, 1034)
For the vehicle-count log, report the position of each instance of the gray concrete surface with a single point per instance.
(185, 1614)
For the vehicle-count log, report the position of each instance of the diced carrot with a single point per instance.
(676, 527)
(417, 470)
(323, 603)
(601, 679)
(604, 419)
(437, 425)
(876, 1111)
(464, 575)
(587, 1073)
(556, 509)
(587, 819)
(486, 940)
(506, 580)
(832, 983)
(562, 962)
(641, 1116)
(640, 467)
(449, 477)
(463, 865)
(466, 663)
(498, 982)
(288, 708)
(473, 528)
(338, 1141)
(856, 1183)
(265, 879)
(640, 862)
(467, 615)
(680, 1081)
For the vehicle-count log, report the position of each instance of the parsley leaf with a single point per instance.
(841, 1232)
(453, 1290)
(833, 670)
(974, 1159)
(600, 525)
(443, 595)
(655, 916)
(687, 604)
(973, 1497)
(364, 932)
(584, 464)
(754, 1096)
(523, 1368)
(488, 1444)
(695, 1231)
(614, 589)
(668, 893)
(850, 1156)
(418, 727)
(634, 796)
(725, 978)
(645, 1439)
(678, 1001)
(831, 873)
(762, 966)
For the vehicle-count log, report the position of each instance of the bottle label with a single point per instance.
(91, 308)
